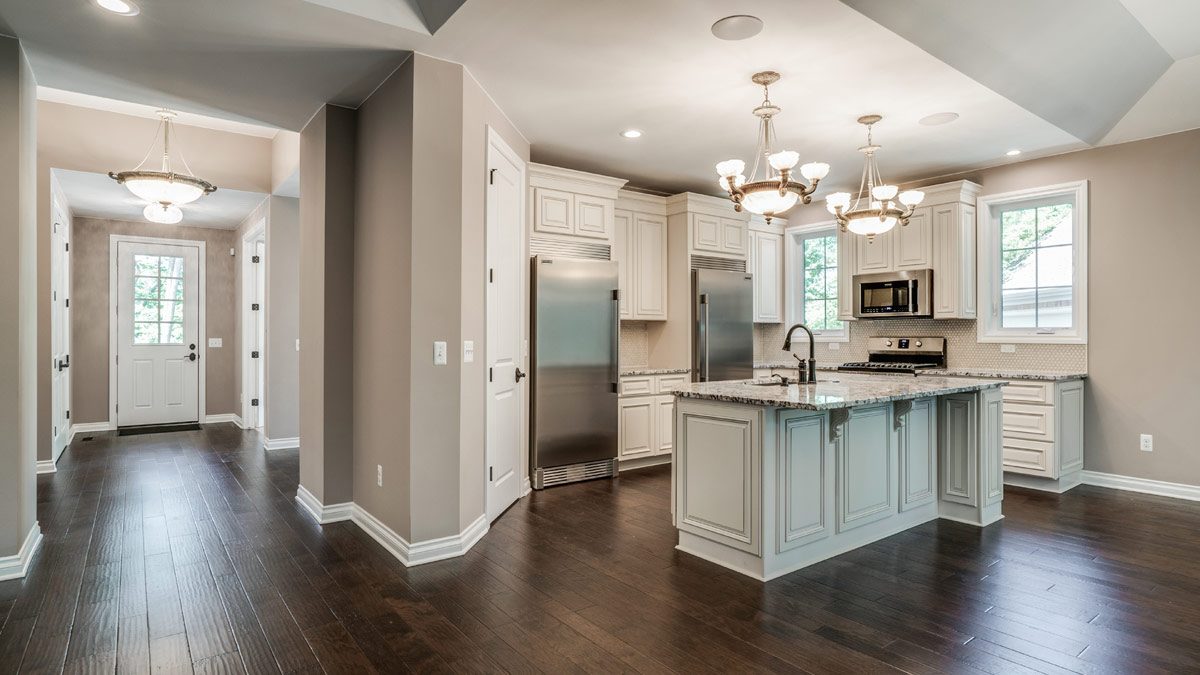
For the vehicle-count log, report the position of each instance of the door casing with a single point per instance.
(250, 277)
(113, 297)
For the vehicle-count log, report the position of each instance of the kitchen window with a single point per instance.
(1033, 265)
(813, 281)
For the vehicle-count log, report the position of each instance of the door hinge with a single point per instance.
(490, 469)
(489, 374)
(254, 307)
(491, 275)
(254, 355)
(68, 301)
(255, 259)
(53, 296)
(491, 177)
(68, 414)
(68, 245)
(254, 402)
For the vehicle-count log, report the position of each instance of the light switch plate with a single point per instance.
(439, 353)
(468, 351)
(214, 343)
(297, 344)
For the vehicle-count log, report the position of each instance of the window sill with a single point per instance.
(832, 338)
(1033, 339)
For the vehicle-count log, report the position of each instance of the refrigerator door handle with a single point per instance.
(704, 337)
(615, 364)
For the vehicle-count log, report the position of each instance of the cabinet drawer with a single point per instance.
(1031, 422)
(668, 382)
(1035, 458)
(1025, 391)
(637, 386)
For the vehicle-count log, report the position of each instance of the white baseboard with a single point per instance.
(90, 428)
(280, 443)
(526, 487)
(46, 466)
(1055, 485)
(643, 462)
(17, 566)
(223, 418)
(409, 554)
(1144, 485)
(323, 514)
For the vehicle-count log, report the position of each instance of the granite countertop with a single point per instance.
(989, 373)
(841, 390)
(642, 370)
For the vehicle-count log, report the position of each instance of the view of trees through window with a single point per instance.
(1037, 269)
(821, 282)
(157, 300)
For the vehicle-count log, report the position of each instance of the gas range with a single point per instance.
(900, 355)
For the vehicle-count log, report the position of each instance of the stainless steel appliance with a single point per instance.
(573, 380)
(893, 294)
(901, 355)
(723, 320)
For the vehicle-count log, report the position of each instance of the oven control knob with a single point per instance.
(918, 343)
(888, 343)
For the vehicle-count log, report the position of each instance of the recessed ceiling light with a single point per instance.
(938, 119)
(737, 27)
(1013, 153)
(122, 7)
(631, 133)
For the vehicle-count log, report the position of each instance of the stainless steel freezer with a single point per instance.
(723, 325)
(574, 376)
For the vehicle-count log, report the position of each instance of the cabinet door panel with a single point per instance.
(767, 267)
(913, 243)
(636, 429)
(706, 233)
(866, 461)
(734, 234)
(918, 453)
(847, 264)
(803, 483)
(552, 211)
(946, 270)
(874, 256)
(593, 217)
(623, 254)
(664, 427)
(650, 272)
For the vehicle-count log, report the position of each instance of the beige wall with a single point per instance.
(1141, 249)
(327, 304)
(283, 319)
(90, 313)
(18, 297)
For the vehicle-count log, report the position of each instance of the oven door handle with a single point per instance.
(912, 296)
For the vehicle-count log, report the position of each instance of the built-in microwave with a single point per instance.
(893, 294)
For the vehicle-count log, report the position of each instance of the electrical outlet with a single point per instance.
(439, 353)
(379, 475)
(1147, 443)
(834, 346)
(468, 351)
(1008, 349)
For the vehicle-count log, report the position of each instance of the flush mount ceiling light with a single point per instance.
(167, 214)
(775, 192)
(1013, 153)
(631, 133)
(164, 187)
(876, 209)
(737, 27)
(122, 7)
(938, 119)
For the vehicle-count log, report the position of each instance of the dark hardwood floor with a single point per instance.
(186, 552)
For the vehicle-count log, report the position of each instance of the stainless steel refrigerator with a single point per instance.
(576, 323)
(723, 325)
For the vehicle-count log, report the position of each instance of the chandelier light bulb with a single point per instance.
(769, 202)
(166, 214)
(884, 192)
(911, 197)
(738, 181)
(838, 200)
(784, 160)
(814, 171)
(730, 167)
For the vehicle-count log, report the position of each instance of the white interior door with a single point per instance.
(158, 333)
(60, 332)
(505, 312)
(259, 337)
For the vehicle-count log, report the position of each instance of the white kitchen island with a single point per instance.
(769, 479)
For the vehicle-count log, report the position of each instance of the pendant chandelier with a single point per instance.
(775, 192)
(877, 207)
(164, 190)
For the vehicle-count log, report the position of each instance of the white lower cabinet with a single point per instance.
(646, 423)
(1043, 428)
(635, 430)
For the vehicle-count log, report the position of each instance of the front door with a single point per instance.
(505, 316)
(158, 333)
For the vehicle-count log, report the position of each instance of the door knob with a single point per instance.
(520, 375)
(192, 356)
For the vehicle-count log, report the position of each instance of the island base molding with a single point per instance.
(766, 491)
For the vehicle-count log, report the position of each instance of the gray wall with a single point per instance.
(89, 313)
(327, 303)
(18, 297)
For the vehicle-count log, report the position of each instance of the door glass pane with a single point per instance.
(157, 300)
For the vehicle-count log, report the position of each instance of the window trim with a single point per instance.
(988, 323)
(792, 236)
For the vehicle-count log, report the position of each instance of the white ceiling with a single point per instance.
(95, 195)
(572, 75)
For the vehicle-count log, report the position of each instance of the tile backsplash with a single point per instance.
(635, 351)
(962, 348)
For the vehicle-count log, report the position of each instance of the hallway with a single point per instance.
(187, 551)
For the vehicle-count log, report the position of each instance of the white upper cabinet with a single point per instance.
(706, 232)
(640, 249)
(954, 281)
(847, 263)
(766, 264)
(733, 237)
(874, 255)
(572, 204)
(714, 228)
(912, 244)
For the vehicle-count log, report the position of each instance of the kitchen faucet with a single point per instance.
(810, 366)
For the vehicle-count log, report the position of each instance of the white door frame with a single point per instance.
(249, 277)
(113, 297)
(60, 270)
(494, 140)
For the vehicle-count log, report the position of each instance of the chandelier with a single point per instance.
(164, 190)
(775, 192)
(877, 207)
